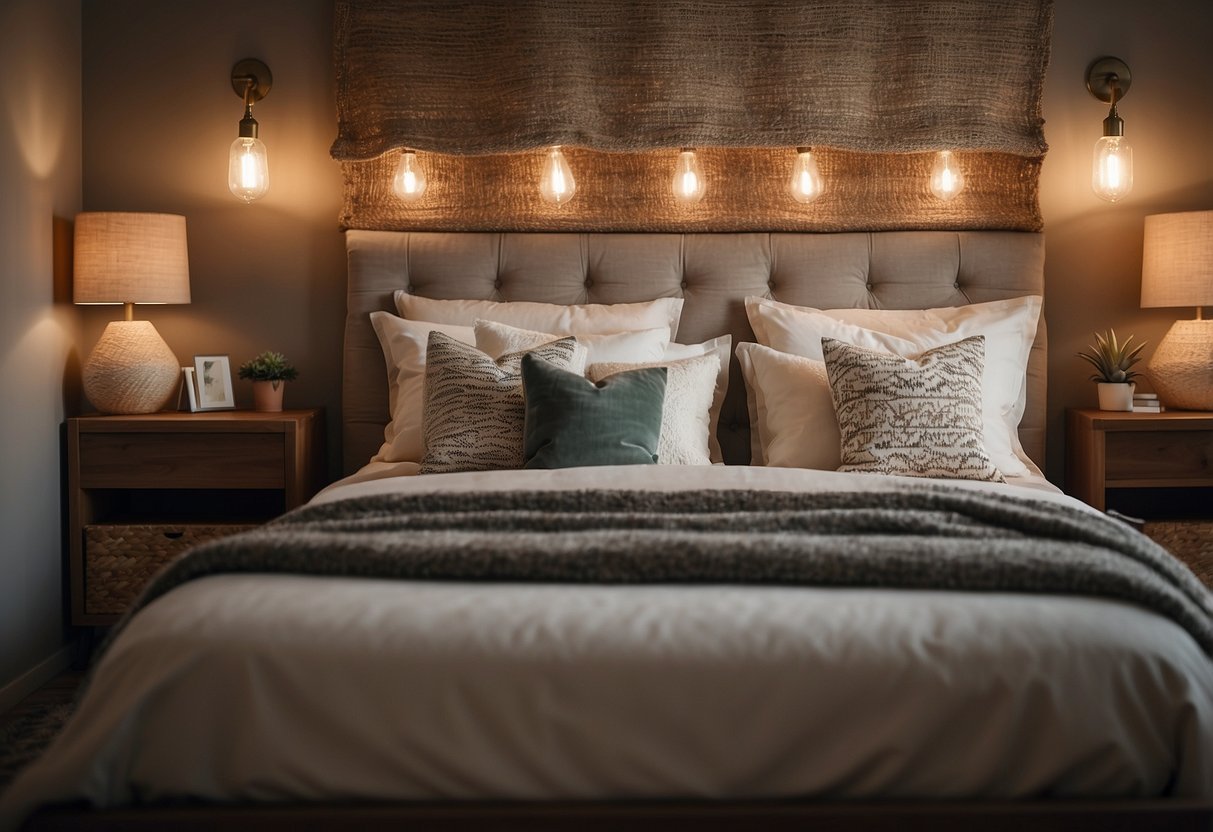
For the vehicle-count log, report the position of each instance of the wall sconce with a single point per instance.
(946, 179)
(130, 258)
(688, 185)
(409, 181)
(556, 183)
(248, 171)
(1108, 79)
(806, 183)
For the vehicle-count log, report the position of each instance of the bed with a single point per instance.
(316, 699)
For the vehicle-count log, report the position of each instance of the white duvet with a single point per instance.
(267, 687)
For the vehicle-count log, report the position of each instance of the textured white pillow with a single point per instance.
(404, 350)
(792, 421)
(913, 417)
(686, 421)
(496, 339)
(474, 410)
(722, 348)
(1009, 327)
(585, 319)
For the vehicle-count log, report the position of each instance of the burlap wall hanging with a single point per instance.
(480, 89)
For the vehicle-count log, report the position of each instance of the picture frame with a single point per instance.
(212, 387)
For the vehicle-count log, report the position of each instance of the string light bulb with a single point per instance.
(806, 183)
(409, 181)
(688, 185)
(557, 184)
(946, 179)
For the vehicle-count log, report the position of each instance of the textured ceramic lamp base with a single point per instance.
(131, 370)
(1181, 369)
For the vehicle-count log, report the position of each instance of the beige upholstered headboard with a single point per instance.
(713, 272)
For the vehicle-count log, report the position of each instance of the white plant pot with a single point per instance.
(1116, 396)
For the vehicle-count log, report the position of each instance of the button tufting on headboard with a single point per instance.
(902, 270)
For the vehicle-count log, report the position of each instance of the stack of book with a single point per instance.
(1147, 403)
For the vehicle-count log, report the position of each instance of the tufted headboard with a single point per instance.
(713, 272)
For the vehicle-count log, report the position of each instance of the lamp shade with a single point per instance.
(1177, 261)
(125, 257)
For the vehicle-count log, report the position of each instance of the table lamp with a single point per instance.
(130, 258)
(1177, 270)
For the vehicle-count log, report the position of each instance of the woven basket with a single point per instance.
(120, 560)
(1189, 540)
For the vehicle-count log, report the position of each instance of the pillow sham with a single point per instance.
(792, 421)
(686, 419)
(585, 319)
(911, 417)
(571, 421)
(497, 339)
(722, 348)
(1009, 327)
(404, 350)
(474, 411)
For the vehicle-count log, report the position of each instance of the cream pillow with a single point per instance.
(497, 339)
(912, 417)
(586, 319)
(792, 422)
(404, 352)
(686, 416)
(1009, 327)
(721, 347)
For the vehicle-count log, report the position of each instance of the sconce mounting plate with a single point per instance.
(260, 74)
(1100, 74)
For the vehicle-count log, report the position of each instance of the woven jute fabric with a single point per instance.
(885, 76)
(120, 560)
(747, 190)
(1189, 540)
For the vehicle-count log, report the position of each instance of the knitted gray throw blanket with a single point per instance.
(920, 537)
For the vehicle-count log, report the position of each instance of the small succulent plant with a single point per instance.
(1113, 359)
(269, 366)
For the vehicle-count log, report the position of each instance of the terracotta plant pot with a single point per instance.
(267, 396)
(1116, 396)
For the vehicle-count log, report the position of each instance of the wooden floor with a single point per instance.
(58, 691)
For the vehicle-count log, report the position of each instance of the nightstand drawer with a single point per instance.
(119, 560)
(182, 460)
(1141, 456)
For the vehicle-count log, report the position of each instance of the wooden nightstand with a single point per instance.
(141, 489)
(1157, 466)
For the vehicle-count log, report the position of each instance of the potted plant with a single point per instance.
(1113, 361)
(269, 373)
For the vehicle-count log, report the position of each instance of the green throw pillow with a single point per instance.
(571, 421)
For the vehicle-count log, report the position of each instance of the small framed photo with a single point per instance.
(213, 377)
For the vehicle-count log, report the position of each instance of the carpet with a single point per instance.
(25, 738)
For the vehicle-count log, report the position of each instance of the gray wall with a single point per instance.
(159, 115)
(39, 329)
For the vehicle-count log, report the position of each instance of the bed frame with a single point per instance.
(714, 273)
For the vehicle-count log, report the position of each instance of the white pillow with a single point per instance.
(643, 345)
(792, 421)
(686, 421)
(1009, 327)
(404, 348)
(586, 319)
(721, 347)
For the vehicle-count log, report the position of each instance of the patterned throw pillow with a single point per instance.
(474, 410)
(914, 417)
